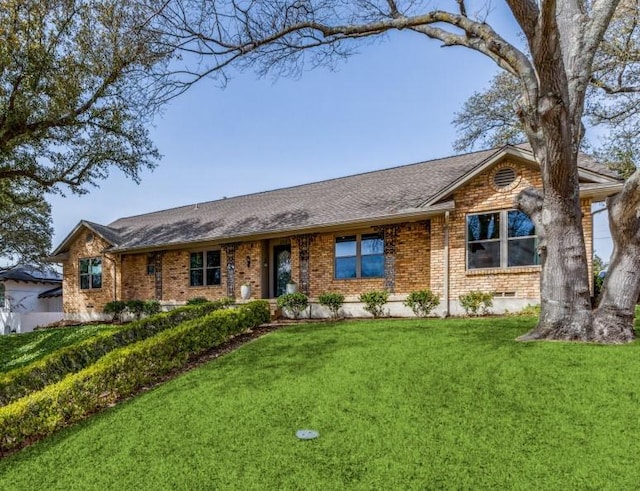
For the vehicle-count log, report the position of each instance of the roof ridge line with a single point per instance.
(190, 205)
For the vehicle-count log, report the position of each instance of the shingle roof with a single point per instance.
(373, 195)
(29, 274)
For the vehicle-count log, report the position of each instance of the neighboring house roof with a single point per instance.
(54, 292)
(407, 191)
(31, 275)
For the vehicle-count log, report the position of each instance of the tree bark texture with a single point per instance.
(614, 316)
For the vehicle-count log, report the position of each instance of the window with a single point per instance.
(2, 296)
(204, 268)
(90, 273)
(151, 264)
(501, 239)
(359, 256)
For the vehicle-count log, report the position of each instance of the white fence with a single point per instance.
(15, 322)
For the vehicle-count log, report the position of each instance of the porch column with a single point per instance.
(230, 253)
(389, 235)
(304, 246)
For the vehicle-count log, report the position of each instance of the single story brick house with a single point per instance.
(447, 224)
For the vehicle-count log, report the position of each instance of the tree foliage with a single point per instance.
(25, 226)
(488, 119)
(76, 95)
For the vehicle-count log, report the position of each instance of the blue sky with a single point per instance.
(390, 104)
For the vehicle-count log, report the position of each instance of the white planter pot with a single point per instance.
(245, 292)
(292, 287)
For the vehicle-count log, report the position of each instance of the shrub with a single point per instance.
(476, 302)
(294, 303)
(422, 302)
(52, 368)
(115, 308)
(227, 302)
(197, 301)
(151, 307)
(333, 301)
(532, 310)
(119, 374)
(135, 307)
(374, 302)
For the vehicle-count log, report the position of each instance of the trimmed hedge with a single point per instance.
(121, 373)
(54, 367)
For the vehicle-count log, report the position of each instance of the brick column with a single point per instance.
(230, 253)
(389, 235)
(304, 245)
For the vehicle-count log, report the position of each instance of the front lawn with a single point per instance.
(17, 350)
(399, 404)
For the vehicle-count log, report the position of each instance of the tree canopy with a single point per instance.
(76, 97)
(488, 118)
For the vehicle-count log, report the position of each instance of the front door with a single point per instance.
(282, 269)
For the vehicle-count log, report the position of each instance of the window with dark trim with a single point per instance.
(2, 296)
(204, 268)
(359, 256)
(501, 239)
(90, 273)
(151, 264)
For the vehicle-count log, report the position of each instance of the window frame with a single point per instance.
(358, 255)
(89, 274)
(503, 239)
(205, 268)
(3, 296)
(151, 264)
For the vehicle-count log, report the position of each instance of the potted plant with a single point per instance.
(245, 291)
(292, 286)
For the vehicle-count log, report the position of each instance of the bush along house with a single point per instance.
(447, 225)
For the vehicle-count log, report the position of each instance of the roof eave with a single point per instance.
(508, 150)
(600, 191)
(407, 214)
(62, 248)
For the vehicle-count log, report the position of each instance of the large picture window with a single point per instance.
(359, 256)
(90, 273)
(204, 269)
(501, 239)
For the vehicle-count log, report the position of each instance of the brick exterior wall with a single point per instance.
(477, 196)
(419, 259)
(76, 300)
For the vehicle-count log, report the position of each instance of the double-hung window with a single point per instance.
(90, 273)
(359, 256)
(501, 239)
(204, 268)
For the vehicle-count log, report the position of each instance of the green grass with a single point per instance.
(17, 350)
(399, 404)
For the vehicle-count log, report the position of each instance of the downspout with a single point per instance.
(445, 293)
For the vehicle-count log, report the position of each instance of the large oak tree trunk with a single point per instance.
(613, 319)
(565, 312)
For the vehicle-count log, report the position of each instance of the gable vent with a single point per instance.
(504, 177)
